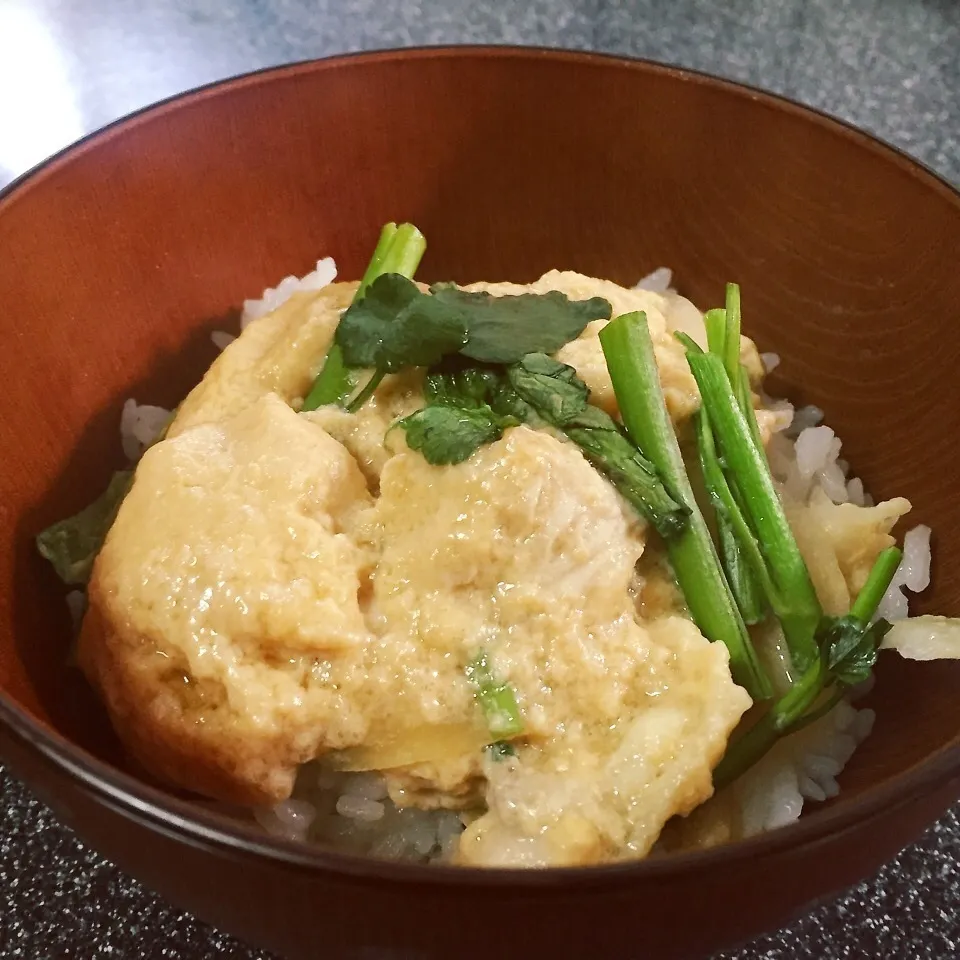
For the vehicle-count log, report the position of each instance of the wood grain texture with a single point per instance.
(121, 255)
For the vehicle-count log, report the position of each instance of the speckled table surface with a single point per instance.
(891, 66)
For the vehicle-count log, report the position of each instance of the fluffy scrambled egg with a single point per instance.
(280, 586)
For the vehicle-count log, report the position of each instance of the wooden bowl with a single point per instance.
(121, 254)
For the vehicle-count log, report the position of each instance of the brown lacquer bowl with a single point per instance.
(123, 253)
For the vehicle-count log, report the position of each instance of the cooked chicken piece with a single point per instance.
(527, 553)
(366, 433)
(598, 790)
(223, 591)
(279, 353)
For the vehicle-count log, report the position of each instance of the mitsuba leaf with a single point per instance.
(457, 385)
(72, 545)
(505, 329)
(396, 326)
(446, 434)
(552, 388)
(508, 403)
(851, 649)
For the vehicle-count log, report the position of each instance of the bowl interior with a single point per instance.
(123, 255)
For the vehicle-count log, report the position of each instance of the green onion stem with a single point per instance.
(798, 707)
(742, 573)
(628, 350)
(716, 323)
(880, 577)
(819, 712)
(745, 400)
(496, 699)
(794, 601)
(743, 561)
(753, 745)
(731, 349)
(375, 267)
(366, 391)
(399, 250)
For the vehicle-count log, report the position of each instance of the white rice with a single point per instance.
(221, 339)
(657, 281)
(801, 767)
(323, 274)
(770, 361)
(352, 811)
(912, 575)
(290, 819)
(140, 425)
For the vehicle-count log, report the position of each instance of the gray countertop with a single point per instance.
(69, 66)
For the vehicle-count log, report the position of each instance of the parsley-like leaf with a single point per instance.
(396, 326)
(505, 329)
(447, 434)
(72, 545)
(851, 648)
(508, 403)
(458, 385)
(552, 388)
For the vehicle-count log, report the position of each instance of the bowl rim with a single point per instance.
(199, 826)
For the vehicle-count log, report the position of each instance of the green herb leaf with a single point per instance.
(459, 385)
(847, 653)
(505, 329)
(395, 326)
(551, 387)
(73, 544)
(851, 648)
(508, 403)
(447, 434)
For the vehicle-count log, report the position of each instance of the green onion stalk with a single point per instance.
(399, 250)
(846, 657)
(628, 349)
